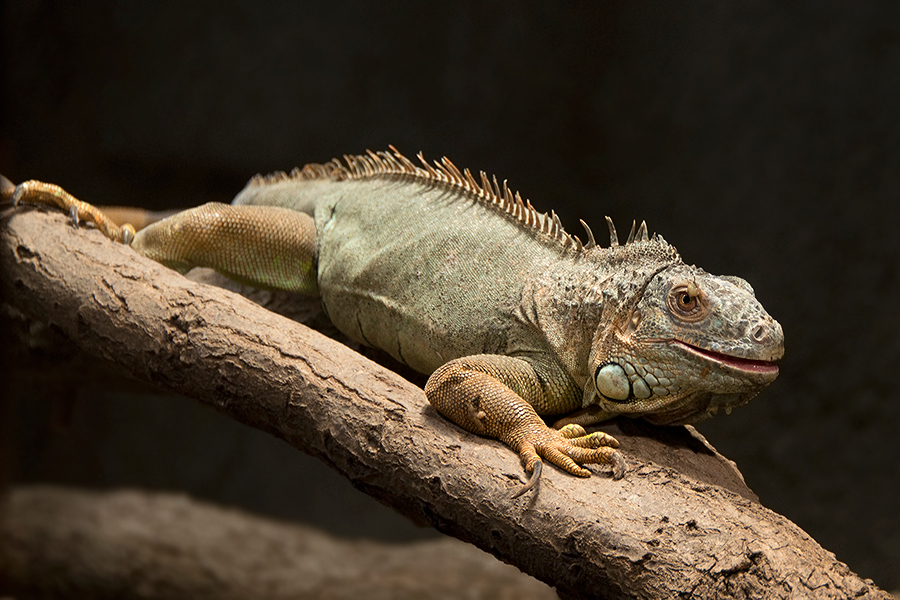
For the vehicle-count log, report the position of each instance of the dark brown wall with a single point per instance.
(761, 138)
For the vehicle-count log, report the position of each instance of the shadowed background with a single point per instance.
(761, 139)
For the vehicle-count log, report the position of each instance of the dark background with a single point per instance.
(760, 138)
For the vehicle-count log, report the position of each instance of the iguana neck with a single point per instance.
(582, 298)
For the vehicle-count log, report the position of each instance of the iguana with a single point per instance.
(460, 279)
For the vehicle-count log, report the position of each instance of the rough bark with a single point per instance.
(681, 524)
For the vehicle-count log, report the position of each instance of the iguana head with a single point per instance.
(683, 346)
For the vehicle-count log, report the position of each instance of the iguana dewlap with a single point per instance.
(460, 279)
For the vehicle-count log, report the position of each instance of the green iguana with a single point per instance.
(461, 279)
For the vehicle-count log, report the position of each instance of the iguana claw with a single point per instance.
(566, 448)
(532, 480)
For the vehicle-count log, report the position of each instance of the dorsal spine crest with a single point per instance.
(489, 191)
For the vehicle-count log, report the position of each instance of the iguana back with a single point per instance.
(416, 268)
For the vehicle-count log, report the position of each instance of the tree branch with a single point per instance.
(143, 546)
(681, 523)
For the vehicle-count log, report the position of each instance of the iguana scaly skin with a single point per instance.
(458, 278)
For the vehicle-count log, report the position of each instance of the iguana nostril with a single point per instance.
(758, 333)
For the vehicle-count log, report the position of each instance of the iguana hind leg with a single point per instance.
(50, 194)
(489, 395)
(261, 246)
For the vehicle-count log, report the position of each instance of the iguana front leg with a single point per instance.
(261, 246)
(493, 395)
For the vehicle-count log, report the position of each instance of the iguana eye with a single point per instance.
(688, 302)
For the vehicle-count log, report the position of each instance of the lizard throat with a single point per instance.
(762, 367)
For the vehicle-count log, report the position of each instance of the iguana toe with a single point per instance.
(568, 448)
(579, 437)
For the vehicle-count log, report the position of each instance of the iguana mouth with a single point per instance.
(762, 367)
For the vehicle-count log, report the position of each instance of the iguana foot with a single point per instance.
(486, 394)
(49, 194)
(565, 448)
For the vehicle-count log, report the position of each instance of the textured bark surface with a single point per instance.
(681, 524)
